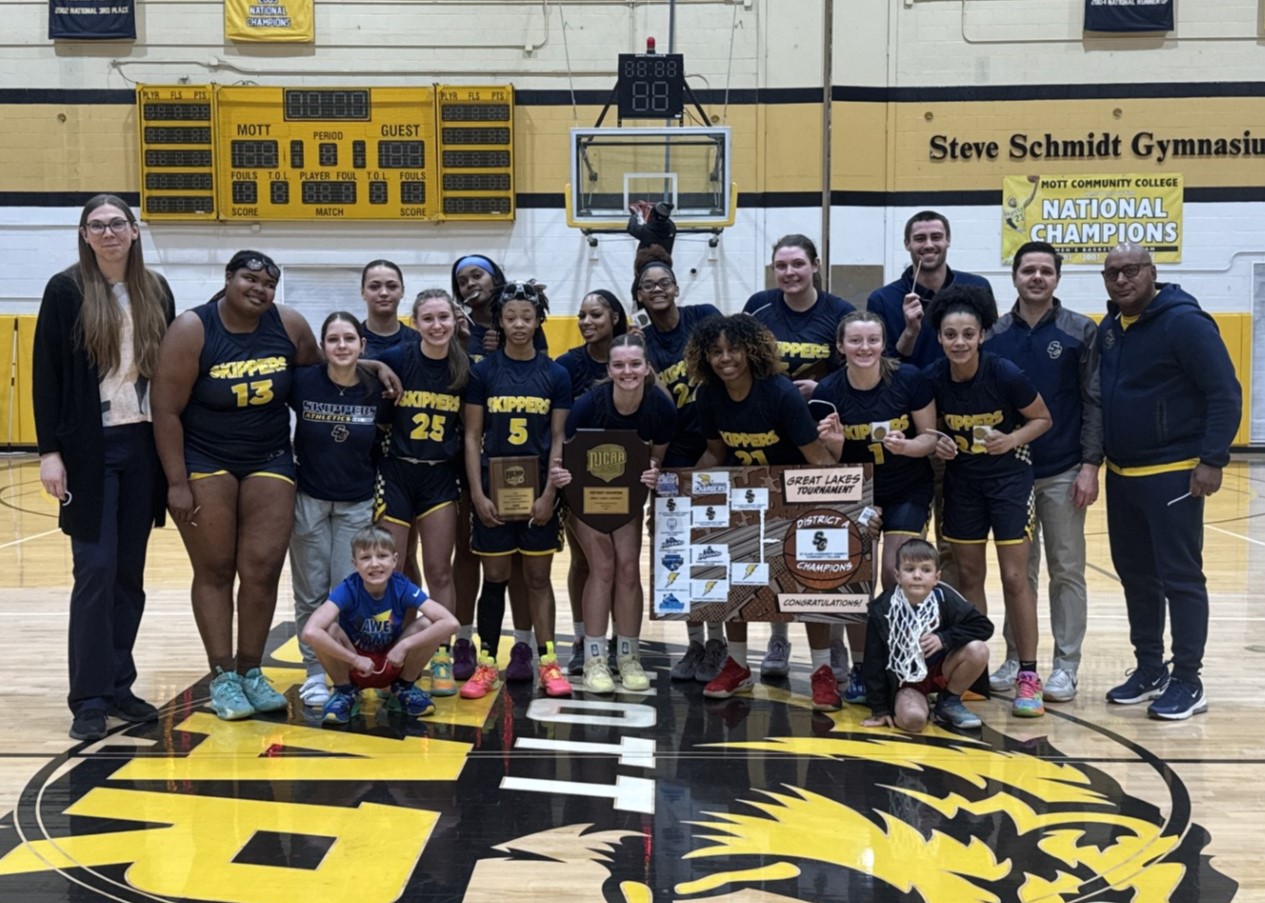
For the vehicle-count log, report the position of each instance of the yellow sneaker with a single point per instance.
(597, 676)
(631, 674)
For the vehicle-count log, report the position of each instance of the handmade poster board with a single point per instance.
(762, 544)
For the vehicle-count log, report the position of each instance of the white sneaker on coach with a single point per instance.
(1004, 677)
(1060, 687)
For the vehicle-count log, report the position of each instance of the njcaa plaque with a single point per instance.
(514, 486)
(606, 467)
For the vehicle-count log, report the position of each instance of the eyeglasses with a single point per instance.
(255, 265)
(516, 290)
(662, 284)
(1131, 270)
(98, 228)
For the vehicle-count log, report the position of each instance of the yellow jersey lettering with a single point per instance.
(518, 404)
(256, 367)
(749, 440)
(436, 401)
(966, 421)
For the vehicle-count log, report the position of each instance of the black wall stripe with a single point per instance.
(528, 97)
(746, 200)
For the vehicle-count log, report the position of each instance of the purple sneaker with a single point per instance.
(520, 667)
(463, 660)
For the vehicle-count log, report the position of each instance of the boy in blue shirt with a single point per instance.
(376, 630)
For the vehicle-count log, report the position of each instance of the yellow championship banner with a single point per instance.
(290, 21)
(1085, 216)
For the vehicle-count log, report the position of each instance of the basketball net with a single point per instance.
(906, 625)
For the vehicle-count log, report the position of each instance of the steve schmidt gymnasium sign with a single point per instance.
(1142, 145)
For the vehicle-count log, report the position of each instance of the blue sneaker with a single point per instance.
(855, 692)
(950, 710)
(227, 697)
(410, 699)
(1139, 686)
(259, 691)
(1180, 700)
(343, 705)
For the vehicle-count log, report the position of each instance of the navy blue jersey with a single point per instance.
(335, 434)
(474, 347)
(426, 421)
(583, 370)
(805, 339)
(237, 413)
(377, 345)
(892, 403)
(766, 427)
(666, 353)
(374, 625)
(654, 420)
(990, 399)
(518, 400)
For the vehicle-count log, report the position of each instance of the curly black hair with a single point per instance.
(740, 331)
(520, 291)
(969, 299)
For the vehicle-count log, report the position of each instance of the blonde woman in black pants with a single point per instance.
(96, 342)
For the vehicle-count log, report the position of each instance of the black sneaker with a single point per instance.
(88, 725)
(135, 710)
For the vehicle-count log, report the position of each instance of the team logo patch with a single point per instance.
(1055, 350)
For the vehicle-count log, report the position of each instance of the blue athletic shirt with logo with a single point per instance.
(426, 419)
(766, 427)
(237, 413)
(374, 625)
(892, 403)
(666, 353)
(335, 433)
(993, 398)
(518, 400)
(805, 339)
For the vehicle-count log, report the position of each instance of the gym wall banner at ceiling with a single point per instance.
(1128, 15)
(288, 21)
(91, 20)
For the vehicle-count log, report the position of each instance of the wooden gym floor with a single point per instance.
(658, 796)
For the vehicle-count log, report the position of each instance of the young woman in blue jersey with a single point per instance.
(656, 291)
(875, 392)
(382, 288)
(628, 400)
(990, 411)
(222, 427)
(477, 281)
(337, 408)
(420, 476)
(601, 317)
(751, 415)
(516, 404)
(803, 318)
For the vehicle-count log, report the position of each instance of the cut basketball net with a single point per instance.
(906, 625)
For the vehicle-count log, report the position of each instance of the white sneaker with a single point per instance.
(314, 692)
(1061, 686)
(1004, 677)
(597, 676)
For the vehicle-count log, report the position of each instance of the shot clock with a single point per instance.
(274, 153)
(651, 86)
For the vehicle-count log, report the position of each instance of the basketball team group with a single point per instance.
(363, 452)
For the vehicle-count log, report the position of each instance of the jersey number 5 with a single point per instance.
(253, 393)
(518, 431)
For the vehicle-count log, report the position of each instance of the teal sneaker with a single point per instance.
(343, 705)
(258, 690)
(410, 699)
(227, 697)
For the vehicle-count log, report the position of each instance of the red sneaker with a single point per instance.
(733, 678)
(825, 691)
(552, 679)
(484, 680)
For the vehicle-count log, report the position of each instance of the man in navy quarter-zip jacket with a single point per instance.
(1171, 407)
(1058, 349)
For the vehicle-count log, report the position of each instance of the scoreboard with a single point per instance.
(295, 153)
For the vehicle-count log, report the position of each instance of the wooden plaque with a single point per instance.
(514, 486)
(606, 467)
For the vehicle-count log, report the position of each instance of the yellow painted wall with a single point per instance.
(17, 419)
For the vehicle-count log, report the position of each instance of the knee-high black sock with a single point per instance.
(490, 615)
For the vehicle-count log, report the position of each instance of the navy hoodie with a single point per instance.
(888, 302)
(1169, 392)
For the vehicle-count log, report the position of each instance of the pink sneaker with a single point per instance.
(552, 679)
(464, 660)
(484, 680)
